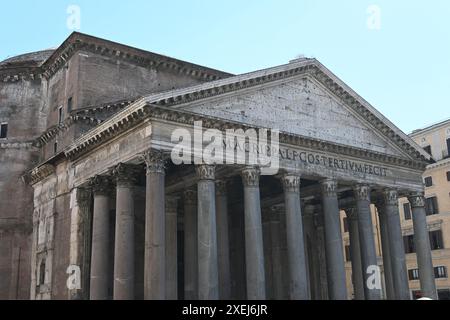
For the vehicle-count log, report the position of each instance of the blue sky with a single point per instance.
(402, 68)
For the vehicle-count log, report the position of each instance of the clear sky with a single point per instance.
(394, 53)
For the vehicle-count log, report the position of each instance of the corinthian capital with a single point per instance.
(190, 197)
(100, 185)
(126, 174)
(329, 187)
(361, 192)
(154, 161)
(206, 172)
(351, 213)
(291, 183)
(390, 197)
(250, 176)
(417, 200)
(221, 187)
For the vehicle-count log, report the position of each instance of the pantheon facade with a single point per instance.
(93, 205)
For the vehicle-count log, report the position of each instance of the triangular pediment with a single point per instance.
(300, 106)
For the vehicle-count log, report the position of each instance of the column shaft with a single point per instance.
(372, 289)
(337, 289)
(355, 253)
(155, 228)
(422, 244)
(124, 239)
(190, 246)
(396, 247)
(171, 249)
(388, 278)
(208, 278)
(256, 287)
(100, 262)
(223, 247)
(298, 280)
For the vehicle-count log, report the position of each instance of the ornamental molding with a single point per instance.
(86, 115)
(39, 173)
(7, 144)
(250, 177)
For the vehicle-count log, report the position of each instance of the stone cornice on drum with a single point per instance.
(78, 41)
(86, 115)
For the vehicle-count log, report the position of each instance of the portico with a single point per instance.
(214, 223)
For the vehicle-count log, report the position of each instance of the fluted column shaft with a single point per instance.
(190, 246)
(422, 244)
(387, 267)
(171, 248)
(222, 240)
(372, 290)
(208, 278)
(276, 254)
(298, 279)
(124, 239)
(396, 247)
(254, 254)
(155, 227)
(337, 289)
(100, 263)
(355, 252)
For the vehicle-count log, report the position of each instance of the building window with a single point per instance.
(407, 211)
(448, 175)
(41, 279)
(428, 181)
(443, 294)
(69, 104)
(440, 272)
(345, 223)
(60, 115)
(436, 242)
(347, 253)
(431, 206)
(3, 130)
(448, 147)
(408, 242)
(428, 149)
(413, 274)
(55, 147)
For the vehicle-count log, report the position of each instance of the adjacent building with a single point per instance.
(435, 140)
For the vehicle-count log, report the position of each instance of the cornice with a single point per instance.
(141, 110)
(86, 115)
(78, 41)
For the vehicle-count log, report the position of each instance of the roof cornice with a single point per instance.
(78, 41)
(142, 110)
